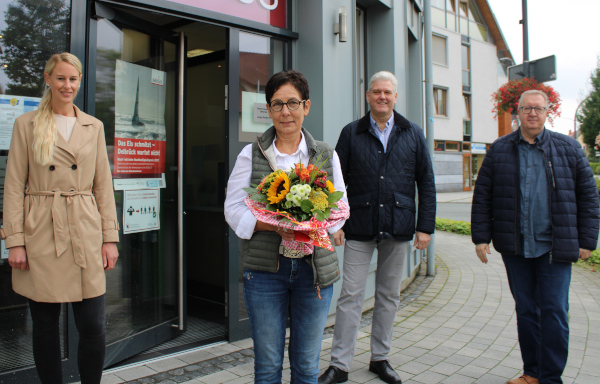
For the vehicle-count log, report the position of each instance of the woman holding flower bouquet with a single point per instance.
(282, 281)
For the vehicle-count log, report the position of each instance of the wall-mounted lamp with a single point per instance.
(341, 27)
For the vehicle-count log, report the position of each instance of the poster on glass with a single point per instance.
(12, 107)
(140, 130)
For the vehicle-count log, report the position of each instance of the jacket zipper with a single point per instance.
(550, 205)
(517, 193)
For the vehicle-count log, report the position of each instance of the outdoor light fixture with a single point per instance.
(341, 28)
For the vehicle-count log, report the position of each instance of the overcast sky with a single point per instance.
(569, 30)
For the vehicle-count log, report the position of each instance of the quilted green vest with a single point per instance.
(261, 252)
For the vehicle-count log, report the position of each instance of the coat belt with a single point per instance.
(66, 225)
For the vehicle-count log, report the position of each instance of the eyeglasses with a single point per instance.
(292, 104)
(538, 110)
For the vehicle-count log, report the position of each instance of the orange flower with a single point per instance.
(330, 187)
(303, 172)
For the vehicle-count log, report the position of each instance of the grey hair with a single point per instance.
(384, 75)
(535, 92)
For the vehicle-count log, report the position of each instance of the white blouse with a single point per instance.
(65, 125)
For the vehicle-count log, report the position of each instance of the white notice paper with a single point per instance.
(12, 107)
(141, 210)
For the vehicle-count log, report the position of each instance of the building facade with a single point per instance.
(179, 85)
(470, 58)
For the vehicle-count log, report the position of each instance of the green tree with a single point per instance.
(35, 30)
(105, 90)
(589, 115)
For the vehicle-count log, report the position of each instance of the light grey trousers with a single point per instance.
(390, 266)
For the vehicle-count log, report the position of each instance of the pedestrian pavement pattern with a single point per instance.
(456, 327)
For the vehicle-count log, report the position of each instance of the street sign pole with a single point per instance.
(525, 39)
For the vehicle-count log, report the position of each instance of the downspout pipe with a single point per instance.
(427, 37)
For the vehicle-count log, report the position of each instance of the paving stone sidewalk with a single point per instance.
(458, 327)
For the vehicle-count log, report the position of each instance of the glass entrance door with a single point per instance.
(466, 172)
(181, 107)
(136, 96)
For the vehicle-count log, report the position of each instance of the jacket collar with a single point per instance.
(266, 140)
(543, 140)
(365, 122)
(82, 133)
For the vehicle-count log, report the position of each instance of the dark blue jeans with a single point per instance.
(89, 319)
(270, 298)
(541, 293)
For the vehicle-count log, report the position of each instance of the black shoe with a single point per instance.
(333, 375)
(385, 371)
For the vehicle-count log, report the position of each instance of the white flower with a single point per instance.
(297, 199)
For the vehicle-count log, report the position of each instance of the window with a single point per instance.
(440, 101)
(259, 58)
(467, 117)
(463, 9)
(466, 67)
(33, 32)
(452, 146)
(451, 14)
(477, 28)
(440, 54)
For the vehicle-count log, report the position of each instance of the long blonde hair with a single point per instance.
(44, 125)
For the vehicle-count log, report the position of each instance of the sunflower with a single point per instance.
(330, 187)
(280, 186)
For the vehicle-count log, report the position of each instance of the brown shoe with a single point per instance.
(524, 379)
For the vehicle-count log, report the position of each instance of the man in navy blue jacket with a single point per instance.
(537, 201)
(383, 156)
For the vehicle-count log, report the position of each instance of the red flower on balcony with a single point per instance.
(506, 98)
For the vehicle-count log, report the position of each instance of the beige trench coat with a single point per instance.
(61, 212)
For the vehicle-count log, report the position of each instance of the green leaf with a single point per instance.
(272, 207)
(335, 197)
(327, 213)
(259, 197)
(319, 215)
(250, 191)
(306, 206)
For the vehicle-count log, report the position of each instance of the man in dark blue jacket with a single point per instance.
(537, 201)
(383, 156)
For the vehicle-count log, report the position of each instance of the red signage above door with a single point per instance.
(272, 12)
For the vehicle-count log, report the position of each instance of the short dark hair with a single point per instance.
(293, 77)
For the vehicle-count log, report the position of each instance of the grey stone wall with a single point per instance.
(448, 172)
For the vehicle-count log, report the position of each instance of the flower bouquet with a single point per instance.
(301, 199)
(506, 98)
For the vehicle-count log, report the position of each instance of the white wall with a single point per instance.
(484, 77)
(448, 172)
(450, 128)
(485, 80)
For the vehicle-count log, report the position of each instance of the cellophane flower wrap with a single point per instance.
(301, 199)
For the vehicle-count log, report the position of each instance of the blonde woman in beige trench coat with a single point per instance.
(60, 223)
